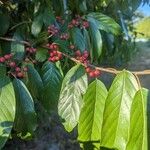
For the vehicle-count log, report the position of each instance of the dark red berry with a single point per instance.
(78, 53)
(20, 75)
(12, 64)
(17, 69)
(2, 59)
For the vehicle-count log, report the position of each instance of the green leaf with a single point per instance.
(35, 82)
(105, 23)
(70, 101)
(78, 39)
(91, 117)
(138, 122)
(17, 48)
(41, 54)
(117, 111)
(26, 120)
(2, 70)
(48, 17)
(87, 40)
(37, 25)
(52, 80)
(7, 109)
(4, 25)
(96, 40)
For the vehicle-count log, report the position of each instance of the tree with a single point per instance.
(51, 55)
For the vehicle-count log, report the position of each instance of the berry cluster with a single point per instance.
(78, 22)
(6, 58)
(53, 30)
(13, 69)
(82, 57)
(31, 50)
(19, 72)
(64, 36)
(93, 73)
(55, 54)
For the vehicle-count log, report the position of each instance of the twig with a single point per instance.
(15, 40)
(108, 70)
(19, 24)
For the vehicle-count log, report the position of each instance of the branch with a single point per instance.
(108, 70)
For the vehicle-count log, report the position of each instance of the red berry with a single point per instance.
(17, 69)
(92, 74)
(2, 59)
(12, 64)
(78, 53)
(55, 52)
(56, 58)
(27, 49)
(20, 75)
(59, 55)
(88, 69)
(7, 57)
(97, 73)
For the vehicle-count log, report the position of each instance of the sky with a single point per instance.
(145, 9)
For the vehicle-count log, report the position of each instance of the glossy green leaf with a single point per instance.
(138, 122)
(70, 101)
(78, 39)
(35, 82)
(91, 117)
(41, 54)
(17, 48)
(4, 25)
(87, 40)
(26, 120)
(37, 25)
(96, 40)
(52, 80)
(7, 109)
(106, 23)
(117, 111)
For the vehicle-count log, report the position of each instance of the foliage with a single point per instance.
(49, 57)
(142, 28)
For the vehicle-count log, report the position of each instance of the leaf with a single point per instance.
(70, 101)
(4, 25)
(138, 126)
(41, 54)
(17, 48)
(117, 111)
(35, 82)
(2, 70)
(7, 109)
(48, 17)
(37, 25)
(87, 40)
(96, 40)
(78, 39)
(105, 23)
(26, 120)
(52, 80)
(91, 117)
